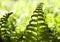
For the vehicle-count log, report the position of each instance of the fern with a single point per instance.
(36, 28)
(3, 25)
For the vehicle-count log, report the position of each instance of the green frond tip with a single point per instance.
(4, 19)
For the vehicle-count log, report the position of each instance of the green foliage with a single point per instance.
(44, 25)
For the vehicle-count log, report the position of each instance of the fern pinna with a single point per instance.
(3, 24)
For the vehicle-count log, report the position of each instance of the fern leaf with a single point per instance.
(3, 26)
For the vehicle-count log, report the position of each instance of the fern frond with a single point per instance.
(37, 30)
(30, 33)
(3, 25)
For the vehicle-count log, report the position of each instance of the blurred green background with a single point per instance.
(23, 9)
